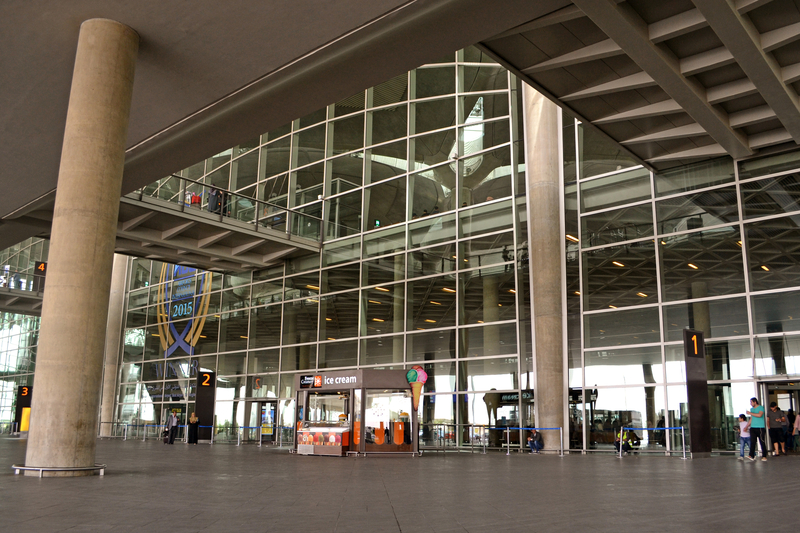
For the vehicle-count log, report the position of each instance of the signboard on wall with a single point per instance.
(697, 391)
(204, 403)
(23, 410)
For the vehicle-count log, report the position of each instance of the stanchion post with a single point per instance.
(683, 442)
(561, 440)
(212, 434)
(239, 436)
(125, 433)
(621, 433)
(508, 442)
(144, 436)
(484, 438)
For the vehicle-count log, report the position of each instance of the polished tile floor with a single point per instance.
(152, 487)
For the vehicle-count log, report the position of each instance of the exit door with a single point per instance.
(268, 428)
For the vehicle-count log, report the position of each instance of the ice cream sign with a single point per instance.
(318, 381)
(416, 378)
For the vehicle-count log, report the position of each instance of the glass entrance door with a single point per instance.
(268, 430)
(786, 394)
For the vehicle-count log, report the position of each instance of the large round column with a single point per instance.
(69, 363)
(545, 238)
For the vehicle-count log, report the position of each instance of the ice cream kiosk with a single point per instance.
(357, 412)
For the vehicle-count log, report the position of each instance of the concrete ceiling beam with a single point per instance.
(177, 230)
(630, 32)
(702, 152)
(205, 242)
(676, 25)
(600, 50)
(769, 138)
(740, 36)
(681, 132)
(753, 115)
(565, 14)
(772, 40)
(242, 248)
(128, 225)
(665, 107)
(730, 91)
(627, 83)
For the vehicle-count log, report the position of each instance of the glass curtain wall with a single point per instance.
(420, 184)
(711, 246)
(19, 334)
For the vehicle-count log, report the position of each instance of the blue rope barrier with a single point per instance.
(653, 429)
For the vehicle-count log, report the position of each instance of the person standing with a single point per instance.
(757, 429)
(796, 432)
(775, 421)
(744, 435)
(535, 441)
(172, 427)
(193, 425)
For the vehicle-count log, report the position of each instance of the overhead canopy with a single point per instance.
(670, 82)
(210, 75)
(673, 81)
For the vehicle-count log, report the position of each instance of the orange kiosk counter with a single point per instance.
(355, 411)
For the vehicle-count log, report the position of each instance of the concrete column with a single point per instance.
(544, 234)
(116, 321)
(69, 362)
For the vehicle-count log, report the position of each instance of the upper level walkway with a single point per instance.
(21, 292)
(152, 487)
(193, 223)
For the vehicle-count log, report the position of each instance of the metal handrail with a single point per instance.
(228, 191)
(7, 276)
(259, 205)
(113, 434)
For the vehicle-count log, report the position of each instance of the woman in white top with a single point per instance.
(744, 435)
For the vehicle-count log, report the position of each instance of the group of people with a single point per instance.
(425, 213)
(171, 428)
(782, 428)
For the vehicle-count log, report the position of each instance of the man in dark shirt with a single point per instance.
(775, 421)
(535, 441)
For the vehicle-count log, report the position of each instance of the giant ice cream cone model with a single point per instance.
(416, 378)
